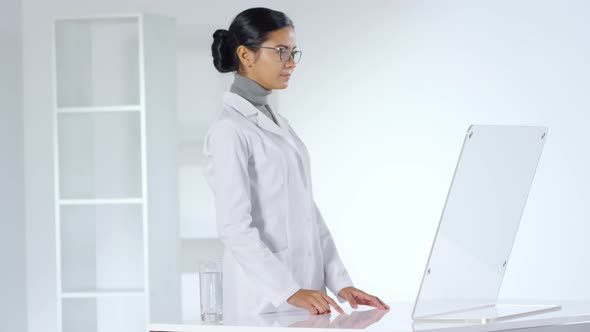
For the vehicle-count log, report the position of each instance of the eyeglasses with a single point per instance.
(284, 54)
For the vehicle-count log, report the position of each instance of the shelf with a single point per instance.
(117, 244)
(97, 62)
(99, 155)
(101, 248)
(119, 108)
(104, 201)
(106, 314)
(92, 293)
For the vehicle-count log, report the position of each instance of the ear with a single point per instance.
(246, 57)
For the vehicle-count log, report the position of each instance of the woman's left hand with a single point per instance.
(356, 296)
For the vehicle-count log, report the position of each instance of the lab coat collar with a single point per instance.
(248, 110)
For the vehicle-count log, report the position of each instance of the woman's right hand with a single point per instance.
(314, 301)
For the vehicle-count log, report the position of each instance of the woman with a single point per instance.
(279, 253)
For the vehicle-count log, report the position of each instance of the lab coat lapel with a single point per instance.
(282, 122)
(243, 106)
(266, 123)
(294, 141)
(246, 108)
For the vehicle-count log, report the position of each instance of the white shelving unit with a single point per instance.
(116, 189)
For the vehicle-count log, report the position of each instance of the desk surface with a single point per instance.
(396, 319)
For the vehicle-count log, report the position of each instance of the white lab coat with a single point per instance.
(274, 236)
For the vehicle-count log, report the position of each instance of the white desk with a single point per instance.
(396, 319)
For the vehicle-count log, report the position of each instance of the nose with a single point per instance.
(290, 63)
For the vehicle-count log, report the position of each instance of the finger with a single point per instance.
(306, 304)
(318, 305)
(333, 303)
(364, 298)
(383, 303)
(325, 304)
(312, 310)
(351, 300)
(374, 302)
(378, 303)
(354, 302)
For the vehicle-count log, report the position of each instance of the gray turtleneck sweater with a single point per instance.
(253, 92)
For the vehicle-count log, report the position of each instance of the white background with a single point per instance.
(382, 98)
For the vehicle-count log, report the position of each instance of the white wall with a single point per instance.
(37, 105)
(13, 306)
(389, 110)
(382, 97)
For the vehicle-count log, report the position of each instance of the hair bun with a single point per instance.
(224, 58)
(223, 34)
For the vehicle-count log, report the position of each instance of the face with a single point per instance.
(264, 65)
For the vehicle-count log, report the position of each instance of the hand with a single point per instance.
(356, 320)
(314, 301)
(356, 296)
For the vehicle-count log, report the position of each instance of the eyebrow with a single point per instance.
(285, 46)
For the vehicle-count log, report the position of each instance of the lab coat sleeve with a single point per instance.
(227, 155)
(335, 273)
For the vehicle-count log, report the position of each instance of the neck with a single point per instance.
(250, 90)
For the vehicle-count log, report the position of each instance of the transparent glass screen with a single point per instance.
(480, 218)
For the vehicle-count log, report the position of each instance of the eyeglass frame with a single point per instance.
(279, 49)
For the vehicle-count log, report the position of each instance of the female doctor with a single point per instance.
(279, 254)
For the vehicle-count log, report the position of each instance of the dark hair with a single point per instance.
(249, 28)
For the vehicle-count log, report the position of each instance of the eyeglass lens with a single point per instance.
(285, 54)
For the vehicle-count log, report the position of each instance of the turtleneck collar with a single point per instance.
(250, 90)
